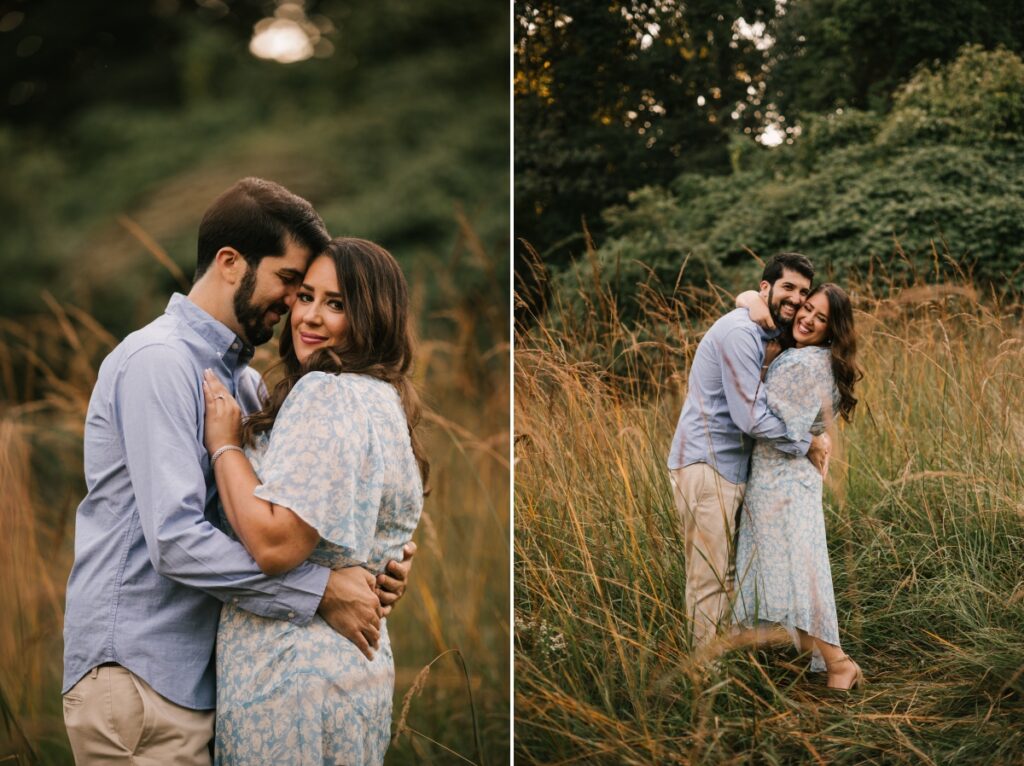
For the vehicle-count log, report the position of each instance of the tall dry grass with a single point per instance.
(926, 536)
(454, 619)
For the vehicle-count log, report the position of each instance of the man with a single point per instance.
(151, 566)
(725, 410)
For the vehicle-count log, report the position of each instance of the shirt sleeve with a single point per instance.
(323, 463)
(746, 397)
(158, 398)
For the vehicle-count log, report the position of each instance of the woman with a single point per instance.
(332, 471)
(782, 562)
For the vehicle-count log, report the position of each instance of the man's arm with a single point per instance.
(160, 424)
(745, 394)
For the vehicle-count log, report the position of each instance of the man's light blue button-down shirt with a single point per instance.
(726, 408)
(151, 566)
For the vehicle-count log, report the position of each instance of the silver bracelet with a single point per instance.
(221, 451)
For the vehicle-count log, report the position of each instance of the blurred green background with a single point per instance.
(150, 109)
(119, 124)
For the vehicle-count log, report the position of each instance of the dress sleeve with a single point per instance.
(794, 389)
(323, 463)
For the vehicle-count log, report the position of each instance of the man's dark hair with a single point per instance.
(255, 216)
(792, 261)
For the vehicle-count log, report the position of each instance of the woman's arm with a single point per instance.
(275, 537)
(752, 301)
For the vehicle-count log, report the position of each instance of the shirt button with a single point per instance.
(234, 346)
(290, 615)
(234, 600)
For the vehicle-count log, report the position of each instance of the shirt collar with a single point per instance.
(232, 349)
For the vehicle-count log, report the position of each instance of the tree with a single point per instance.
(854, 53)
(612, 96)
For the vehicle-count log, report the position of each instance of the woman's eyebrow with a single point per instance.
(304, 286)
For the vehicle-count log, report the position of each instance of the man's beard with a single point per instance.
(776, 312)
(250, 316)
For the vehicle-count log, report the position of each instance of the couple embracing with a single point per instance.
(753, 433)
(274, 525)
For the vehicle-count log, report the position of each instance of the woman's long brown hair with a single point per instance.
(842, 343)
(378, 343)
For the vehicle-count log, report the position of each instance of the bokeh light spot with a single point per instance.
(29, 46)
(11, 20)
(281, 40)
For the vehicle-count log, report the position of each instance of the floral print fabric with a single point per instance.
(782, 567)
(340, 457)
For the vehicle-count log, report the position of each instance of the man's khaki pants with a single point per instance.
(114, 717)
(707, 505)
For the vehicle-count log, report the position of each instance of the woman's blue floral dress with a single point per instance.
(340, 457)
(782, 567)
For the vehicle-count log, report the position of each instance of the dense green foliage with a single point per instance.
(855, 53)
(617, 101)
(939, 180)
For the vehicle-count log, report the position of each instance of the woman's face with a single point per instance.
(810, 327)
(318, 315)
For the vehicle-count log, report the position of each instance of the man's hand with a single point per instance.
(819, 453)
(351, 607)
(390, 589)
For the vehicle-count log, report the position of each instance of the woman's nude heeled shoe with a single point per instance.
(858, 678)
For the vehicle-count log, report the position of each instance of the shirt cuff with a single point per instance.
(301, 591)
(804, 444)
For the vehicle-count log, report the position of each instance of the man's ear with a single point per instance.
(763, 288)
(230, 265)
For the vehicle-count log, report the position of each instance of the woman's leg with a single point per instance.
(806, 642)
(842, 671)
